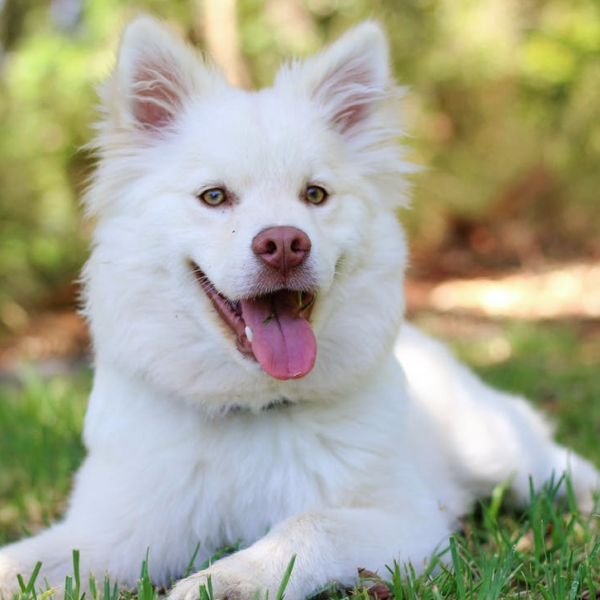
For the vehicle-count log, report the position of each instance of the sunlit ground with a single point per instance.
(568, 291)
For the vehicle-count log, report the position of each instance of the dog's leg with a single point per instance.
(53, 547)
(328, 546)
(105, 527)
(488, 436)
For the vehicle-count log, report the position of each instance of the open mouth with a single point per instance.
(272, 328)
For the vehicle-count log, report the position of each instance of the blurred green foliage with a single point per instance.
(504, 111)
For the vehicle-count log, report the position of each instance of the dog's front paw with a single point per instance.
(238, 577)
(221, 584)
(9, 568)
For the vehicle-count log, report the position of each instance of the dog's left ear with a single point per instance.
(348, 78)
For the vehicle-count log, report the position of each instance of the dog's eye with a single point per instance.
(214, 196)
(315, 194)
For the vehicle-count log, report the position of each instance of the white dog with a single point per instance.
(245, 297)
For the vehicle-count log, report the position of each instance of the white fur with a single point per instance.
(354, 465)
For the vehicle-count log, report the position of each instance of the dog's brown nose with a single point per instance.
(282, 248)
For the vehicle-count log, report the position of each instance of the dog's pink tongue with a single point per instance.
(282, 340)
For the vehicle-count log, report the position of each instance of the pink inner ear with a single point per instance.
(350, 91)
(157, 93)
(350, 116)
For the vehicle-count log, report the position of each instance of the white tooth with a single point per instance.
(249, 333)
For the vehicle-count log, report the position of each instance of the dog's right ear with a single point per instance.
(155, 73)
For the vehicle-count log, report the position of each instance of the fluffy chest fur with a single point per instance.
(231, 477)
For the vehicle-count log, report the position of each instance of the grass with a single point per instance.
(547, 551)
(40, 446)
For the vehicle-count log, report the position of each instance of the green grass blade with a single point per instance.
(76, 574)
(460, 588)
(191, 567)
(286, 579)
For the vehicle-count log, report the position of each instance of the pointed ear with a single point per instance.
(155, 73)
(348, 78)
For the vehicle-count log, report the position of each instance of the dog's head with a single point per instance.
(247, 248)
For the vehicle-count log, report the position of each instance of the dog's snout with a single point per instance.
(282, 248)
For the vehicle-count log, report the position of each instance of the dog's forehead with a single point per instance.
(257, 131)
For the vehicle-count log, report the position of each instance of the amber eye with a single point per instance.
(315, 194)
(213, 197)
